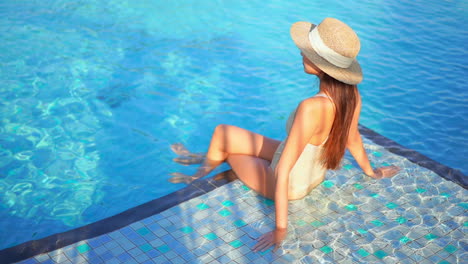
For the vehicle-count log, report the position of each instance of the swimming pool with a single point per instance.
(94, 92)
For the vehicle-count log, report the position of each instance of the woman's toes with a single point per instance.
(179, 149)
(180, 178)
(188, 160)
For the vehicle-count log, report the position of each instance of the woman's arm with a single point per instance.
(354, 143)
(302, 130)
(356, 147)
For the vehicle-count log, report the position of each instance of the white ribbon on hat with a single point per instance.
(325, 52)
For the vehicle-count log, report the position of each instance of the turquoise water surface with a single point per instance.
(93, 93)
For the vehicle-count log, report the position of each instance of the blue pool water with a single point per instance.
(93, 93)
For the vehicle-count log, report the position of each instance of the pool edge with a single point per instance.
(440, 169)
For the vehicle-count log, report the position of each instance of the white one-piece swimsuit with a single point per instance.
(308, 171)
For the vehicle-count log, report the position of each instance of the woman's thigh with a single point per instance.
(244, 142)
(255, 173)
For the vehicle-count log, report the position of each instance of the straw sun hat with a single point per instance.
(332, 46)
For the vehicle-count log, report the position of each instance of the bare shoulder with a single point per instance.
(316, 104)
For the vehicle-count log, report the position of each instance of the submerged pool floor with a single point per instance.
(415, 217)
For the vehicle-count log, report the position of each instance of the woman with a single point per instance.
(319, 130)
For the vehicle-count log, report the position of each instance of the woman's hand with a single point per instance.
(385, 172)
(273, 238)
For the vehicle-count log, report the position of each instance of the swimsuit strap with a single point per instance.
(326, 96)
(323, 95)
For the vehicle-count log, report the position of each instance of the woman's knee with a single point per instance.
(220, 129)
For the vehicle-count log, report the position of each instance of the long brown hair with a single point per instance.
(345, 97)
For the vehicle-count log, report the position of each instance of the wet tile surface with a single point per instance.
(415, 217)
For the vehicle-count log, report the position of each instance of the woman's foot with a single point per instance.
(181, 150)
(178, 177)
(189, 160)
(228, 175)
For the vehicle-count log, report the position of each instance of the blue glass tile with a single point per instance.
(83, 248)
(224, 259)
(146, 247)
(94, 260)
(142, 258)
(240, 223)
(363, 253)
(317, 223)
(362, 231)
(29, 261)
(104, 238)
(326, 249)
(450, 249)
(358, 186)
(163, 249)
(224, 212)
(327, 184)
(380, 254)
(117, 251)
(71, 253)
(227, 203)
(187, 229)
(377, 222)
(203, 206)
(143, 231)
(153, 253)
(421, 190)
(106, 255)
(94, 243)
(268, 202)
(124, 257)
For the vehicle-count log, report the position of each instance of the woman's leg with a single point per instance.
(231, 140)
(255, 173)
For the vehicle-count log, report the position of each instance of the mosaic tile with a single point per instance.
(225, 213)
(351, 207)
(227, 203)
(405, 240)
(451, 249)
(358, 186)
(203, 206)
(239, 223)
(363, 253)
(317, 223)
(328, 184)
(430, 236)
(211, 236)
(163, 249)
(326, 249)
(420, 190)
(377, 222)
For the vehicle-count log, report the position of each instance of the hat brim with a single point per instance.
(300, 35)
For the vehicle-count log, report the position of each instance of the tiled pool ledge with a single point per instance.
(231, 217)
(421, 160)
